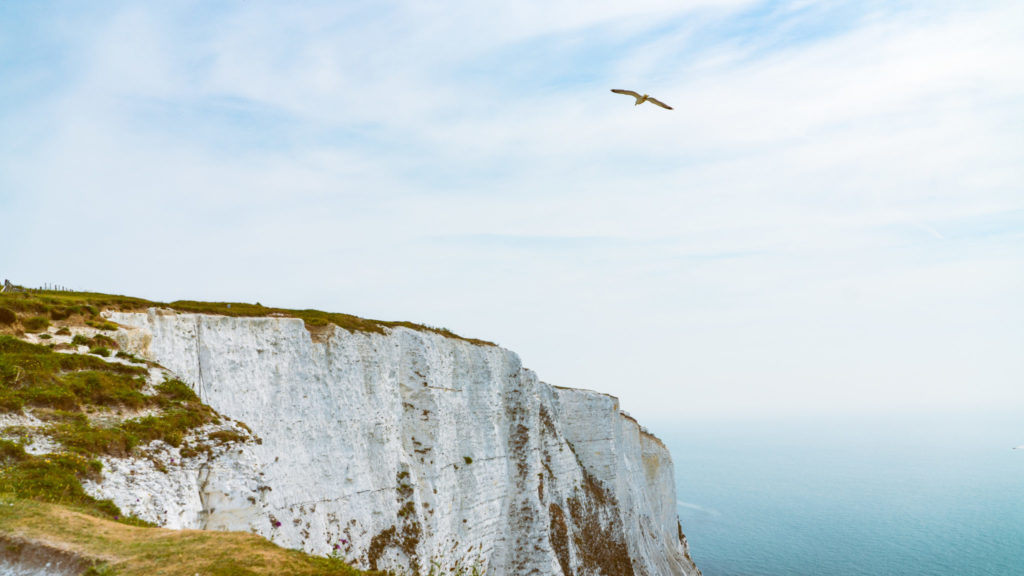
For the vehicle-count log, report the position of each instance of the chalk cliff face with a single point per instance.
(406, 451)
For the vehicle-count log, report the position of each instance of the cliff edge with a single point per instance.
(405, 450)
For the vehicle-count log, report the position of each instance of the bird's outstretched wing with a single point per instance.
(627, 92)
(659, 103)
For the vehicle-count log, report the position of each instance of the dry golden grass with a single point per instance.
(129, 550)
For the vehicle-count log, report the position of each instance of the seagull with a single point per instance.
(641, 99)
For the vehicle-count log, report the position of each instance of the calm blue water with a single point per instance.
(922, 496)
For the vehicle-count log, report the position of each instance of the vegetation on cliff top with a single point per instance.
(31, 311)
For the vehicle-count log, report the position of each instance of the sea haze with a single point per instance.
(913, 496)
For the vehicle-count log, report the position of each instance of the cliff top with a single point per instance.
(33, 310)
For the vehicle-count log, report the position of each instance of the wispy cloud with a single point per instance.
(838, 181)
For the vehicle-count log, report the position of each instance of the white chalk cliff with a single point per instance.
(404, 451)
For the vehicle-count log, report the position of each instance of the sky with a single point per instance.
(830, 221)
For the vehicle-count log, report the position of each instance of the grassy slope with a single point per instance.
(130, 550)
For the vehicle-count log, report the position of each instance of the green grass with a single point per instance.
(170, 426)
(32, 375)
(106, 389)
(73, 303)
(52, 478)
(80, 436)
(182, 411)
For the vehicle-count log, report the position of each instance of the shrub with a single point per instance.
(80, 340)
(63, 331)
(7, 316)
(36, 323)
(59, 313)
(100, 351)
(130, 357)
(193, 451)
(177, 391)
(101, 324)
(105, 341)
(407, 509)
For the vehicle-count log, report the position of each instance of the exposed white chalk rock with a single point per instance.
(406, 449)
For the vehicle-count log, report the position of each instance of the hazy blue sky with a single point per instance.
(831, 219)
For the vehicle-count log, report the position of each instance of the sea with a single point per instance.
(909, 495)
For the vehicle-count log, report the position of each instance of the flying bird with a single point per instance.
(640, 99)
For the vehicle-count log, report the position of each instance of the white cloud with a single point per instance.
(789, 238)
